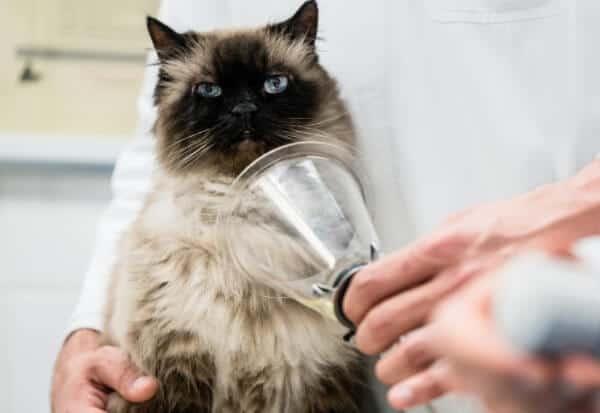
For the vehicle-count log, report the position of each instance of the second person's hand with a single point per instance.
(396, 295)
(485, 364)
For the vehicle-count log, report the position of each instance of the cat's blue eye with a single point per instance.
(276, 84)
(209, 90)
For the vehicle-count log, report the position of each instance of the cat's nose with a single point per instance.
(245, 108)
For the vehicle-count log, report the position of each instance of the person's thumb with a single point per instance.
(111, 368)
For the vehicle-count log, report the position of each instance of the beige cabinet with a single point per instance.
(89, 57)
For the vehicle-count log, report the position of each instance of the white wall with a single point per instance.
(48, 215)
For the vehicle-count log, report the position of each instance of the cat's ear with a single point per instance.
(166, 41)
(303, 25)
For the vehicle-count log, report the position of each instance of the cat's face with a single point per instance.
(226, 97)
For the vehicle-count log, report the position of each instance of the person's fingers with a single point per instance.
(420, 389)
(398, 315)
(85, 398)
(581, 371)
(469, 306)
(477, 342)
(411, 355)
(400, 271)
(488, 384)
(83, 409)
(111, 368)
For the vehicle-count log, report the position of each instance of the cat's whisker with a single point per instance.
(202, 133)
(195, 153)
(200, 139)
(303, 133)
(327, 121)
(304, 130)
(219, 126)
(191, 155)
(308, 133)
(322, 122)
(283, 138)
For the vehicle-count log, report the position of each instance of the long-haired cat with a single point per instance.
(212, 337)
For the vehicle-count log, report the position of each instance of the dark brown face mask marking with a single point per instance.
(225, 98)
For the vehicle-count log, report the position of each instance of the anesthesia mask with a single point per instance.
(298, 221)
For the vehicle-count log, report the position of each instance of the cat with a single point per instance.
(209, 335)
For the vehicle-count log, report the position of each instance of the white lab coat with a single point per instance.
(457, 102)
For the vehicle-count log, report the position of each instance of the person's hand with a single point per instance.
(483, 363)
(395, 295)
(85, 373)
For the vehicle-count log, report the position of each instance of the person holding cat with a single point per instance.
(441, 122)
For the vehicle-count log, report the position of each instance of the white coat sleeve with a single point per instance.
(130, 184)
(131, 180)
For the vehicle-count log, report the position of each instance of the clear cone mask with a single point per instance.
(298, 222)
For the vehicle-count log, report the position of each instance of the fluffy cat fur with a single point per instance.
(218, 340)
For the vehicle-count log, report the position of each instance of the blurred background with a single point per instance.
(70, 73)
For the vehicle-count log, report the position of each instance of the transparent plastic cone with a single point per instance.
(299, 223)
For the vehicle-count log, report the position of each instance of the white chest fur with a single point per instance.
(169, 261)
